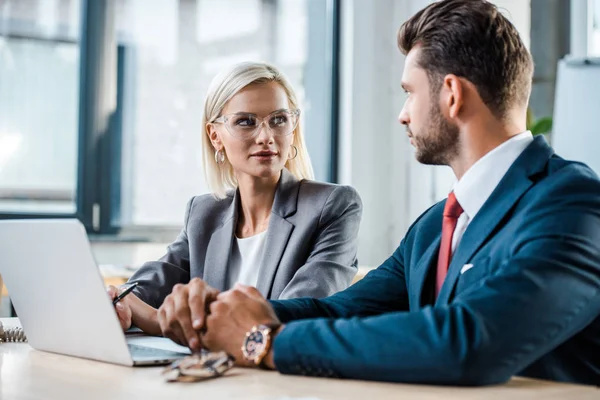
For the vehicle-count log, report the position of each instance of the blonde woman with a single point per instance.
(266, 223)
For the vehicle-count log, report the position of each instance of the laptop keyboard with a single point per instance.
(148, 352)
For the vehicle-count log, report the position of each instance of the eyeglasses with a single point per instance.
(199, 367)
(246, 125)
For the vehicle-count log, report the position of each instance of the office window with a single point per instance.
(39, 64)
(118, 144)
(172, 49)
(594, 44)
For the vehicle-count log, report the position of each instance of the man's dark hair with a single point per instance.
(473, 40)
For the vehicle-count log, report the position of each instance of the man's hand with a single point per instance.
(182, 314)
(233, 314)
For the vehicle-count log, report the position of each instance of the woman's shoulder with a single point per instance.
(209, 205)
(328, 192)
(328, 201)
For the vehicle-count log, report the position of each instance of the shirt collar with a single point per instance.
(478, 183)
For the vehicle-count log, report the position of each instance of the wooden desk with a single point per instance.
(30, 374)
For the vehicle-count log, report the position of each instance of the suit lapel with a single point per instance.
(427, 261)
(219, 248)
(277, 238)
(510, 189)
(279, 231)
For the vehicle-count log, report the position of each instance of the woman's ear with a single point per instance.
(453, 88)
(214, 136)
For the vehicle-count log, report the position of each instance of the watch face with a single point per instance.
(254, 344)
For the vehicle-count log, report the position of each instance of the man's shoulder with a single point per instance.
(557, 164)
(567, 178)
(561, 201)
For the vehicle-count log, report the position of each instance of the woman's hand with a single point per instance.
(132, 310)
(123, 307)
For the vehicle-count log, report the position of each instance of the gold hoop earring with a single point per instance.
(219, 157)
(295, 152)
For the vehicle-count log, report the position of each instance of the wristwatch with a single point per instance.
(258, 342)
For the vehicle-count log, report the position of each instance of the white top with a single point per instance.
(246, 259)
(478, 183)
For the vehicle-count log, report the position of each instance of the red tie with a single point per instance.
(452, 211)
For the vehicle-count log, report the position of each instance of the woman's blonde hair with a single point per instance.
(221, 177)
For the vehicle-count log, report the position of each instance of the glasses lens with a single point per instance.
(242, 125)
(283, 122)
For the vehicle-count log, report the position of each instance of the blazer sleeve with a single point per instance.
(543, 294)
(331, 264)
(157, 278)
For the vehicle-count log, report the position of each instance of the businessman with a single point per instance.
(502, 278)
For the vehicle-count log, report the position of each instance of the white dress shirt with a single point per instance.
(246, 259)
(478, 183)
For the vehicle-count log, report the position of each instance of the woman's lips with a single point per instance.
(264, 155)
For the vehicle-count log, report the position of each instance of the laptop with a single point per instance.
(58, 293)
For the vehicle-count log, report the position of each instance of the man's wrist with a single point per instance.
(269, 360)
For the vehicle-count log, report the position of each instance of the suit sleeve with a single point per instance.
(544, 293)
(157, 278)
(381, 290)
(331, 264)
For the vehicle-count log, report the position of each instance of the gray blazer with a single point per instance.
(310, 247)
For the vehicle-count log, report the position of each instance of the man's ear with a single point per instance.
(214, 136)
(453, 90)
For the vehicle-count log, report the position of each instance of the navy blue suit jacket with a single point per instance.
(530, 305)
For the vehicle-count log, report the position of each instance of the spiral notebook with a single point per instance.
(11, 331)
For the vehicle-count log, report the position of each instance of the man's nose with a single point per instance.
(403, 117)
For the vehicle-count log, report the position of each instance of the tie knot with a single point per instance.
(452, 208)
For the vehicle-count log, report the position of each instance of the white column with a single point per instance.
(519, 13)
(580, 27)
(375, 154)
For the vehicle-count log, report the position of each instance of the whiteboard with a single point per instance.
(576, 126)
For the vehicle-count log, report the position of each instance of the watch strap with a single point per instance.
(272, 329)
